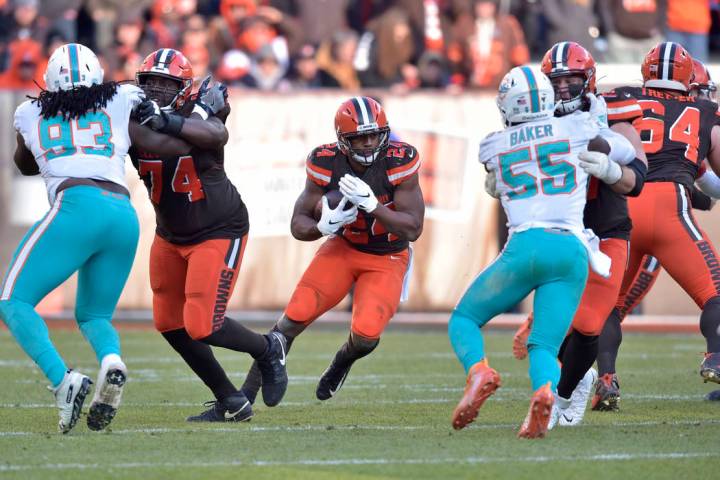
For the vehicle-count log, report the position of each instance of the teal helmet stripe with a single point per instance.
(534, 97)
(74, 63)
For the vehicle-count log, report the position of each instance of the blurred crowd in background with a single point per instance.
(283, 45)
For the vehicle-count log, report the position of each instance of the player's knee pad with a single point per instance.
(303, 306)
(198, 330)
(363, 345)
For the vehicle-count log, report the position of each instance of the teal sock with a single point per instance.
(466, 339)
(31, 333)
(101, 336)
(543, 368)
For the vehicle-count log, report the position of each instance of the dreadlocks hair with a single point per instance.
(75, 103)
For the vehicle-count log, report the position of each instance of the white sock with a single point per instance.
(562, 403)
(110, 359)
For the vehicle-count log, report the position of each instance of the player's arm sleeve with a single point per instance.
(621, 150)
(133, 95)
(621, 107)
(406, 168)
(23, 158)
(318, 171)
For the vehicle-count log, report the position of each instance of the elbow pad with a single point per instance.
(640, 170)
(709, 183)
(621, 150)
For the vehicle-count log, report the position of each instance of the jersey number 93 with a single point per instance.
(57, 135)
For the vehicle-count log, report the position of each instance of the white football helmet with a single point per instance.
(73, 65)
(525, 95)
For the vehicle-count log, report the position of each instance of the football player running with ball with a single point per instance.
(537, 167)
(368, 243)
(202, 227)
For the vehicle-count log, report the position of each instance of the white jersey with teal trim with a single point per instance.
(539, 179)
(538, 174)
(92, 146)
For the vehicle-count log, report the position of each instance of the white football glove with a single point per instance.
(491, 184)
(598, 110)
(332, 219)
(358, 192)
(599, 165)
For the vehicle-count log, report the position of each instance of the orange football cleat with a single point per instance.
(519, 345)
(538, 417)
(482, 381)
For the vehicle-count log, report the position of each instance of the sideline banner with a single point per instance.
(270, 137)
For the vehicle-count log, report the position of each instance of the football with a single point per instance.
(599, 144)
(333, 198)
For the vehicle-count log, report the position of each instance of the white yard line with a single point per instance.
(243, 429)
(360, 461)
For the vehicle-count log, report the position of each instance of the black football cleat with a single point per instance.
(710, 367)
(273, 371)
(331, 381)
(253, 382)
(235, 408)
(607, 394)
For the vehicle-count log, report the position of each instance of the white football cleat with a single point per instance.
(559, 407)
(108, 393)
(70, 396)
(574, 414)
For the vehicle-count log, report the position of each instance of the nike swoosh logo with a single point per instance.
(230, 415)
(393, 257)
(367, 195)
(567, 419)
(342, 380)
(333, 223)
(282, 347)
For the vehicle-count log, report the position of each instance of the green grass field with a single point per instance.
(390, 420)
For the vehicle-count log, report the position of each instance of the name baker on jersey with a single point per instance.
(530, 133)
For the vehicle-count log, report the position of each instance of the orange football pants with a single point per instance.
(600, 293)
(641, 285)
(192, 284)
(664, 227)
(378, 283)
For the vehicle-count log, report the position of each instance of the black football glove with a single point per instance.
(212, 99)
(149, 113)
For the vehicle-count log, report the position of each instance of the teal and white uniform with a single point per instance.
(87, 229)
(543, 192)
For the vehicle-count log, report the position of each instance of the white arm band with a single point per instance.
(200, 111)
(621, 150)
(709, 184)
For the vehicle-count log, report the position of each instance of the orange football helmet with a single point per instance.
(702, 85)
(171, 64)
(668, 65)
(361, 116)
(566, 59)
